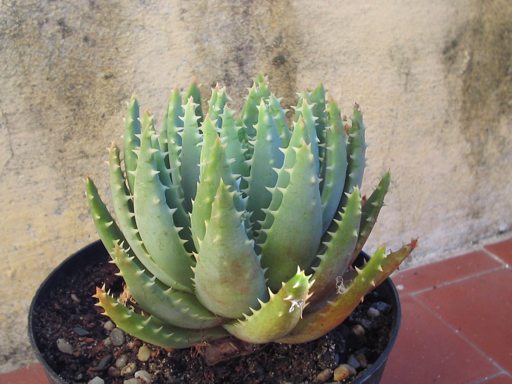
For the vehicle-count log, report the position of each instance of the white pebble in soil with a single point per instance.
(96, 380)
(361, 358)
(323, 376)
(144, 353)
(358, 330)
(121, 361)
(352, 360)
(128, 369)
(117, 337)
(373, 312)
(109, 325)
(64, 346)
(75, 298)
(381, 306)
(343, 371)
(107, 342)
(131, 381)
(143, 376)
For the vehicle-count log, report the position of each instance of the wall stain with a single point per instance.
(234, 44)
(65, 29)
(402, 58)
(59, 49)
(7, 152)
(478, 61)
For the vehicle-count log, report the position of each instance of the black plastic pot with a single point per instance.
(96, 253)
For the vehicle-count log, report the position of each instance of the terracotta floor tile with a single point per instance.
(502, 249)
(431, 275)
(428, 351)
(32, 374)
(502, 379)
(480, 308)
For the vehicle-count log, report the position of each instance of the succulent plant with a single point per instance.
(241, 226)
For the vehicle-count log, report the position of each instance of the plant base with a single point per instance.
(64, 309)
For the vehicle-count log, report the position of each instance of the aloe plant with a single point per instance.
(240, 225)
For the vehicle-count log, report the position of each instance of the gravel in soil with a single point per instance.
(82, 345)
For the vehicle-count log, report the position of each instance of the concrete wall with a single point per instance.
(433, 78)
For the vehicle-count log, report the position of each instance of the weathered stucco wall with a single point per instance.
(433, 78)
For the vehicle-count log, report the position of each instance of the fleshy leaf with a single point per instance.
(279, 115)
(228, 277)
(190, 153)
(335, 165)
(292, 239)
(305, 111)
(173, 192)
(356, 149)
(257, 93)
(151, 329)
(171, 306)
(131, 140)
(325, 319)
(266, 157)
(106, 227)
(317, 99)
(214, 168)
(194, 93)
(209, 134)
(371, 210)
(339, 248)
(216, 104)
(393, 261)
(300, 135)
(276, 317)
(171, 131)
(123, 208)
(155, 218)
(234, 150)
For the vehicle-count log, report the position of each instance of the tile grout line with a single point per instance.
(496, 257)
(485, 379)
(488, 253)
(458, 280)
(461, 335)
(465, 251)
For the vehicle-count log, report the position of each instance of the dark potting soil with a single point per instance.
(71, 319)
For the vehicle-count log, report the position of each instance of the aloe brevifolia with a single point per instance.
(241, 226)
